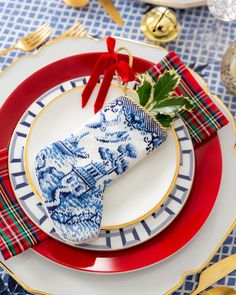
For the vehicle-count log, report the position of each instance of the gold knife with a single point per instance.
(112, 11)
(215, 272)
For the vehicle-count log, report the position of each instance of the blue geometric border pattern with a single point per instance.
(108, 239)
(201, 45)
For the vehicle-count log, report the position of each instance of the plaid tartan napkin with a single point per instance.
(205, 118)
(18, 233)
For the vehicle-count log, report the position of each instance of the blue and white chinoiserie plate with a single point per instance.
(137, 206)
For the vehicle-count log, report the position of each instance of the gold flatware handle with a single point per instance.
(215, 272)
(7, 50)
(220, 291)
(76, 3)
(112, 11)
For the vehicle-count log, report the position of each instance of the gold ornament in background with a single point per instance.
(228, 69)
(77, 3)
(160, 25)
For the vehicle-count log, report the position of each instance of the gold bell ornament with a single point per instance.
(160, 24)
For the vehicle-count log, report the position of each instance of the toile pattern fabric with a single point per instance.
(74, 173)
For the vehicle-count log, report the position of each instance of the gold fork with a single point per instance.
(31, 41)
(77, 30)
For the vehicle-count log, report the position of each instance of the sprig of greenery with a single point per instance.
(158, 97)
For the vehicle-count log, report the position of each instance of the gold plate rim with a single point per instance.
(107, 227)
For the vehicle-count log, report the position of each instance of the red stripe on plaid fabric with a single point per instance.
(205, 118)
(17, 231)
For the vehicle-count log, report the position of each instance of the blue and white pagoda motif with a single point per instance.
(74, 173)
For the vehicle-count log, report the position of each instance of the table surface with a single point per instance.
(201, 44)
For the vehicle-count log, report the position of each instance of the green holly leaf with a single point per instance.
(144, 92)
(165, 85)
(172, 106)
(157, 97)
(165, 120)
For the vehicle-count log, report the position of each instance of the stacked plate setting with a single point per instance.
(156, 208)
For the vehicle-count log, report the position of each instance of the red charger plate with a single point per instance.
(195, 212)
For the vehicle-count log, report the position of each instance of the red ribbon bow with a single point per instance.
(108, 64)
